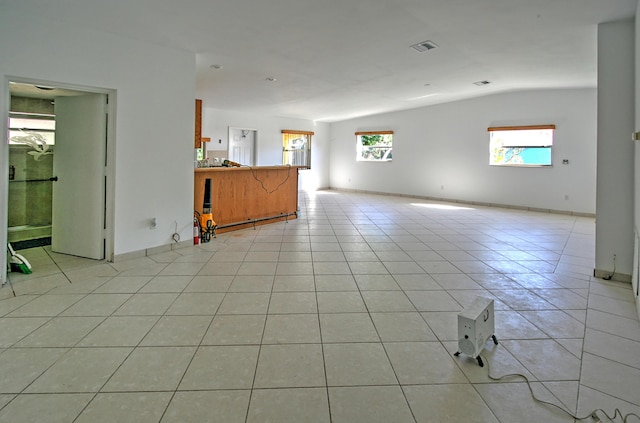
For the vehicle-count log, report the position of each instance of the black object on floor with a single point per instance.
(31, 243)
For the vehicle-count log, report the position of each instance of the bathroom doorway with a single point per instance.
(60, 174)
(31, 146)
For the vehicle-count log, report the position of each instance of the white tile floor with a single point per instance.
(347, 314)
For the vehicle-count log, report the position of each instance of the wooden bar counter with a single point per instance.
(255, 195)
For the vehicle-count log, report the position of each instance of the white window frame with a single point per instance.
(365, 153)
(41, 124)
(296, 153)
(521, 146)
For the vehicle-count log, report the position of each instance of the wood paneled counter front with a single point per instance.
(248, 194)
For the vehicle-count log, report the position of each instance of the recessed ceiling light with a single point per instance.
(481, 83)
(424, 46)
(216, 66)
(271, 79)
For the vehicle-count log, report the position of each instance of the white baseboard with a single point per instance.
(153, 250)
(607, 275)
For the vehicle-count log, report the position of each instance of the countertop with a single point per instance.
(231, 168)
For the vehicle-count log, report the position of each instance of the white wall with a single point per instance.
(442, 151)
(154, 123)
(216, 123)
(614, 225)
(636, 255)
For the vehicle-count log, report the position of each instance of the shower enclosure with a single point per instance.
(31, 146)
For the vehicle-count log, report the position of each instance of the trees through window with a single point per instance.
(374, 146)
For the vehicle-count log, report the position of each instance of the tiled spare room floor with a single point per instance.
(347, 314)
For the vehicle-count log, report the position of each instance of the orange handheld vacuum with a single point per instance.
(229, 163)
(207, 224)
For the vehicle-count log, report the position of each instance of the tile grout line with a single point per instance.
(324, 360)
(386, 353)
(264, 325)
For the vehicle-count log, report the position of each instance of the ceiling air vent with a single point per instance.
(481, 83)
(424, 46)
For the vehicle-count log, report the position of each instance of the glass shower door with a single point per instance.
(31, 146)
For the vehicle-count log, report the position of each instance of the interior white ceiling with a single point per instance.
(338, 59)
(40, 91)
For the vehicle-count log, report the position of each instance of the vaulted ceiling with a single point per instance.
(329, 60)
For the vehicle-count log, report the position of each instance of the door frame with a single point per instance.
(255, 142)
(109, 214)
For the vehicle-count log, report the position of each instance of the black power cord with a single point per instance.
(262, 184)
(610, 275)
(176, 235)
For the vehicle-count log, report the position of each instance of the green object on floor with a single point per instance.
(17, 262)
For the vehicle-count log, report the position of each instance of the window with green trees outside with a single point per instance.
(374, 146)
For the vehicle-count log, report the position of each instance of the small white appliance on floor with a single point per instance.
(475, 326)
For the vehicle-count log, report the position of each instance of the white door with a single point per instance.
(241, 146)
(78, 209)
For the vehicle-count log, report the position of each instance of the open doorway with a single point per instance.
(242, 145)
(60, 181)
